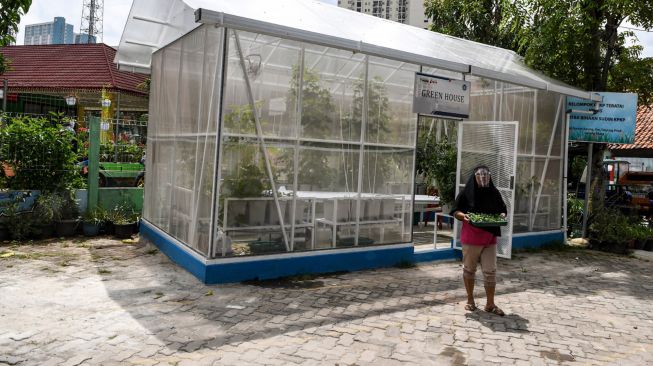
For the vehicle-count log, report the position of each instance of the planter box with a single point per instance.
(123, 231)
(66, 228)
(90, 229)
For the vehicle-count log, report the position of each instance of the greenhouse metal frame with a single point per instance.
(282, 138)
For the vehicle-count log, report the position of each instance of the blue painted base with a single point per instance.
(270, 267)
(435, 255)
(274, 267)
(173, 250)
(537, 240)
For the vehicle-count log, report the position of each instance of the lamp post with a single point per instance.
(71, 100)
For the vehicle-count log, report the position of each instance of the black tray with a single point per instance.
(488, 224)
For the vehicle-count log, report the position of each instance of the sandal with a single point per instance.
(495, 310)
(470, 307)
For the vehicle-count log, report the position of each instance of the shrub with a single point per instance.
(65, 206)
(39, 153)
(612, 231)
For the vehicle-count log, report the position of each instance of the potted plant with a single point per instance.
(67, 216)
(17, 222)
(122, 221)
(92, 221)
(123, 227)
(47, 205)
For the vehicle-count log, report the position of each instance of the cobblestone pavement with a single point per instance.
(106, 302)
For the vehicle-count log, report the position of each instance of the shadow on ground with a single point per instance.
(188, 315)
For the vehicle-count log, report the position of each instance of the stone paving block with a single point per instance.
(390, 316)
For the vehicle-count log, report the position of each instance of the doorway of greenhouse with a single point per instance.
(493, 144)
(435, 182)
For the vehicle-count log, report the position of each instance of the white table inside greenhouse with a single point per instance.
(382, 216)
(421, 204)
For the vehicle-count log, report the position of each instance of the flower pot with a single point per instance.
(107, 228)
(66, 227)
(4, 234)
(123, 231)
(648, 245)
(91, 229)
(44, 231)
(135, 227)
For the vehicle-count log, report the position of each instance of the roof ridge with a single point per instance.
(108, 64)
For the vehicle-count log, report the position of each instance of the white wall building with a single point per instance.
(409, 12)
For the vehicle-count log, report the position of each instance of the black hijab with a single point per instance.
(486, 200)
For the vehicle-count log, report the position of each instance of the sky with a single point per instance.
(116, 12)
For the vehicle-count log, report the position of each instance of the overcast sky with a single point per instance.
(116, 12)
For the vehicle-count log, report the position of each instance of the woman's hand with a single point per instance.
(461, 216)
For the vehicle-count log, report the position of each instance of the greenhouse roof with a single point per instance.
(152, 24)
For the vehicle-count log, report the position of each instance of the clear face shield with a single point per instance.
(482, 177)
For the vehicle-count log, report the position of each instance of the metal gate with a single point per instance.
(493, 144)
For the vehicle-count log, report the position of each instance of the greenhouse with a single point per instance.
(282, 136)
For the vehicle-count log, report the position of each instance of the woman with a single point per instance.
(479, 244)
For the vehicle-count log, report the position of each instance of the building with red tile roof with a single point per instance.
(639, 154)
(41, 76)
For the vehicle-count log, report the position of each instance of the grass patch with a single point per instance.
(103, 271)
(26, 256)
(152, 252)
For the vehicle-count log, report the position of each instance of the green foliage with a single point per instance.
(95, 216)
(145, 85)
(574, 213)
(17, 223)
(492, 22)
(40, 154)
(241, 119)
(612, 231)
(120, 214)
(318, 116)
(436, 160)
(248, 180)
(377, 165)
(45, 207)
(127, 152)
(480, 218)
(10, 13)
(64, 206)
(577, 42)
(578, 164)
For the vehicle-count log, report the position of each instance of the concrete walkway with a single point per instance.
(106, 302)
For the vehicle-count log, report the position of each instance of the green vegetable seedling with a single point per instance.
(484, 220)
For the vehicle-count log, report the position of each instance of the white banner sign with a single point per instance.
(438, 96)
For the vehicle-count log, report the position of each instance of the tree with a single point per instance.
(492, 22)
(436, 160)
(318, 116)
(377, 163)
(10, 13)
(574, 41)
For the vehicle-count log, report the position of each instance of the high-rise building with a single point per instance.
(409, 12)
(12, 34)
(55, 32)
(83, 38)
